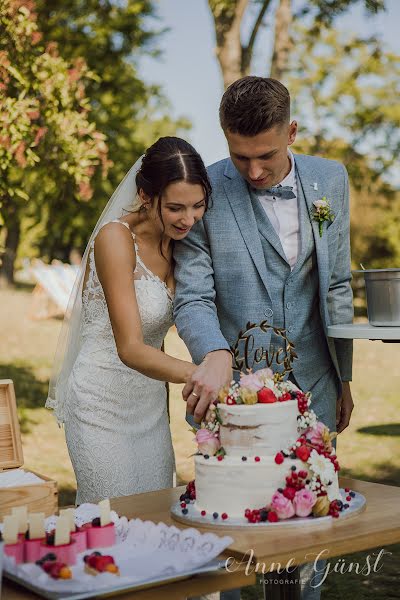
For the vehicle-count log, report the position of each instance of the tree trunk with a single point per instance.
(11, 246)
(227, 19)
(282, 43)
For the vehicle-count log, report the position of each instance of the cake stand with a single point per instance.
(190, 515)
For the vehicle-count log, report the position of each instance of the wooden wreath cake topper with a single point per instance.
(246, 356)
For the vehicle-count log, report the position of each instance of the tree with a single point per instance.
(235, 54)
(45, 124)
(112, 36)
(346, 98)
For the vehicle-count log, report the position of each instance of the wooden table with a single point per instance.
(376, 527)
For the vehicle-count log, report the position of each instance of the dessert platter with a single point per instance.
(90, 551)
(264, 459)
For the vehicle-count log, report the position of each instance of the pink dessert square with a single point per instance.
(101, 537)
(65, 553)
(80, 537)
(16, 550)
(32, 550)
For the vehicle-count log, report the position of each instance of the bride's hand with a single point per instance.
(204, 384)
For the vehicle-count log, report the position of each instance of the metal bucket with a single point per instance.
(383, 296)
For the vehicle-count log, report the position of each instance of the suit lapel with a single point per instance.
(306, 232)
(309, 180)
(240, 202)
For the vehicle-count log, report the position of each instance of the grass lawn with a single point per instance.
(369, 449)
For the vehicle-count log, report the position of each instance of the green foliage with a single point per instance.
(112, 36)
(62, 158)
(45, 125)
(346, 97)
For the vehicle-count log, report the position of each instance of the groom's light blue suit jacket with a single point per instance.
(231, 269)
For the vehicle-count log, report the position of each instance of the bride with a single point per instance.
(108, 381)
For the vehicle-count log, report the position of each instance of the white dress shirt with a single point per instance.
(284, 216)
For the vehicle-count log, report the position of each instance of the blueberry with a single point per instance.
(96, 522)
(339, 504)
(185, 511)
(263, 515)
(49, 556)
(244, 458)
(50, 539)
(182, 498)
(96, 553)
(346, 506)
(215, 515)
(293, 455)
(293, 468)
(280, 490)
(206, 456)
(352, 494)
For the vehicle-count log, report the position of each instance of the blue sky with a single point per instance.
(189, 72)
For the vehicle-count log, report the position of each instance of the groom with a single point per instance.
(258, 255)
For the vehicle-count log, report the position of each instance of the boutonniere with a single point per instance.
(322, 213)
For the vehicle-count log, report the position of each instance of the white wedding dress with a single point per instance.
(116, 420)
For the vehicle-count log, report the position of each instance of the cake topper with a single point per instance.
(246, 356)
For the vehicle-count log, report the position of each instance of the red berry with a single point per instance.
(303, 453)
(289, 492)
(183, 504)
(257, 458)
(272, 517)
(266, 396)
(346, 490)
(102, 562)
(279, 458)
(224, 516)
(220, 457)
(348, 498)
(303, 474)
(286, 396)
(230, 400)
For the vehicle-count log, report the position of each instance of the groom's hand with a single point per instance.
(203, 386)
(344, 407)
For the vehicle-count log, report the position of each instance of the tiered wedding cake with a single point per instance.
(263, 455)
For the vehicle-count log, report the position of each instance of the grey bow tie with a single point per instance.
(285, 192)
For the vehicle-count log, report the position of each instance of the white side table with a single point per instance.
(364, 331)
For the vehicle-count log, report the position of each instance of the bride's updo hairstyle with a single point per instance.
(169, 160)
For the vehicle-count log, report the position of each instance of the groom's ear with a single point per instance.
(292, 132)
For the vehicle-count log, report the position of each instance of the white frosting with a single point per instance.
(231, 485)
(258, 429)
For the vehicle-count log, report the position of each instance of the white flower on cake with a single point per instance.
(322, 467)
(307, 420)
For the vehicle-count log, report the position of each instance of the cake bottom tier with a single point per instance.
(232, 485)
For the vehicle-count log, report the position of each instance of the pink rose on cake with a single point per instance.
(303, 502)
(265, 374)
(207, 442)
(282, 506)
(251, 382)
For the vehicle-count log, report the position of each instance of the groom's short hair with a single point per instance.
(254, 104)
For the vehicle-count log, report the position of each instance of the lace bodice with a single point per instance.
(154, 300)
(116, 422)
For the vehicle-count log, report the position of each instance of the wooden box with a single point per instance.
(38, 497)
